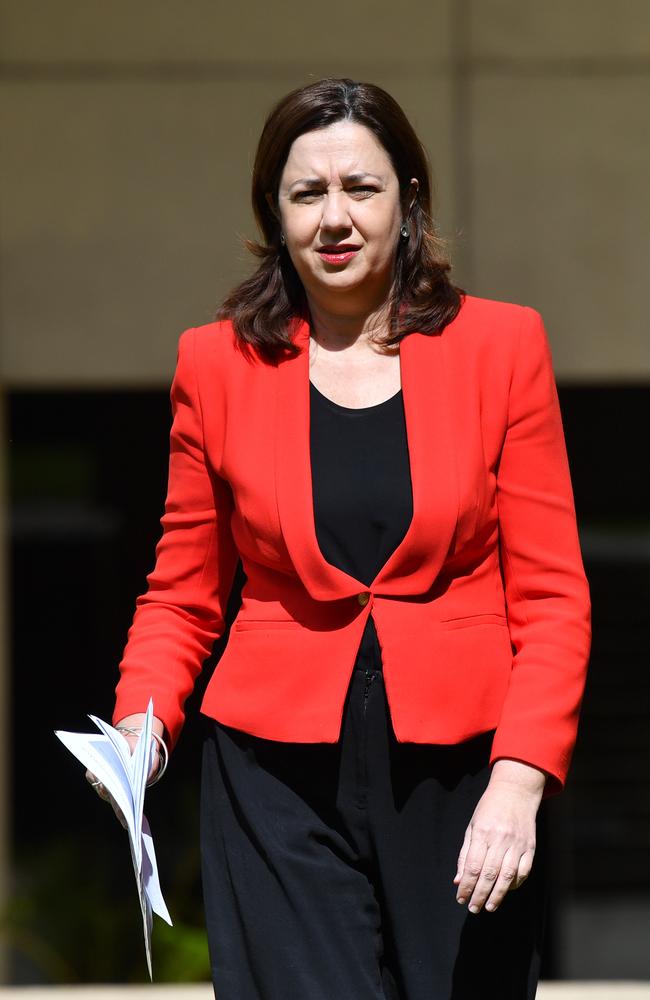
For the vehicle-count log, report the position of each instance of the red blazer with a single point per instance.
(483, 610)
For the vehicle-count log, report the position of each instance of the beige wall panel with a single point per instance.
(119, 212)
(426, 100)
(121, 207)
(561, 214)
(521, 29)
(361, 33)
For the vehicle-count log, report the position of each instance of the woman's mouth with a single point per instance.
(338, 255)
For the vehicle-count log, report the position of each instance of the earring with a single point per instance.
(404, 231)
(282, 240)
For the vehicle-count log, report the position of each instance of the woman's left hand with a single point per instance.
(499, 845)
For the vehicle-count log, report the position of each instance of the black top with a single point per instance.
(363, 502)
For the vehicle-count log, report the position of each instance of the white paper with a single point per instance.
(124, 775)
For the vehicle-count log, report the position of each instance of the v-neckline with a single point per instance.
(414, 564)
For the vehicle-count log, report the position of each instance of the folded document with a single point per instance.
(124, 774)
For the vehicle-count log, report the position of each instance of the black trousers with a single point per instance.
(328, 868)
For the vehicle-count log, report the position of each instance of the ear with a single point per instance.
(414, 188)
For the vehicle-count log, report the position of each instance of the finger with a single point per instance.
(97, 787)
(487, 877)
(505, 880)
(463, 854)
(118, 812)
(101, 791)
(472, 868)
(525, 866)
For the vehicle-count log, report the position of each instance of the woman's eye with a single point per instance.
(360, 188)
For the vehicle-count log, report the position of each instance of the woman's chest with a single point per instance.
(365, 381)
(259, 434)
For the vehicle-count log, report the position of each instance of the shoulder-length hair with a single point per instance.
(263, 306)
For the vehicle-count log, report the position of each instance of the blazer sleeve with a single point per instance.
(182, 612)
(547, 592)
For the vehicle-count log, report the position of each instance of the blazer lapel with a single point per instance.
(415, 563)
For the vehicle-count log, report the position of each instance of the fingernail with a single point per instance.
(461, 899)
(473, 908)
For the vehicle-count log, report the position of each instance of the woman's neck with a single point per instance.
(340, 331)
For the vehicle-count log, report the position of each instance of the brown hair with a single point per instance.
(262, 307)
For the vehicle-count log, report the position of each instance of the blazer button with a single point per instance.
(363, 598)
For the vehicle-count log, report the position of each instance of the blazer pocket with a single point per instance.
(243, 624)
(487, 618)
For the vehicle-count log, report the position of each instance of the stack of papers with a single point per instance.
(124, 775)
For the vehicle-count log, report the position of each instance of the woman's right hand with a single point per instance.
(103, 792)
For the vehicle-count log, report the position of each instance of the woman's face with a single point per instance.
(339, 189)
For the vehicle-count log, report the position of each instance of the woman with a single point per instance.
(401, 686)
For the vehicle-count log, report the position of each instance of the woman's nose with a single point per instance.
(335, 212)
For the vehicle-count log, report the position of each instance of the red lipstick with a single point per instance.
(340, 253)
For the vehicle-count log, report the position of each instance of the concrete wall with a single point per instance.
(129, 131)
